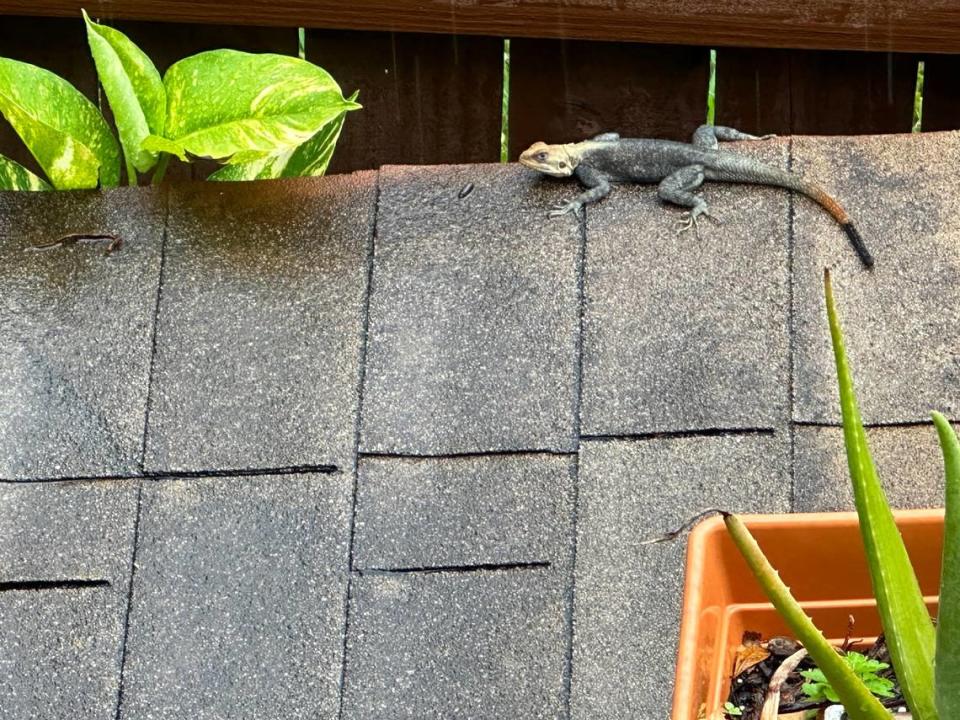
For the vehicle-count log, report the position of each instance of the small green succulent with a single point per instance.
(818, 687)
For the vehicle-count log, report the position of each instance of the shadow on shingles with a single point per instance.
(53, 423)
(269, 231)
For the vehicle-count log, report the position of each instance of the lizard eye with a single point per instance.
(542, 157)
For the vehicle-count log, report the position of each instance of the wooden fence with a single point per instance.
(430, 73)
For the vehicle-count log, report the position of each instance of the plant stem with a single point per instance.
(858, 701)
(131, 171)
(161, 169)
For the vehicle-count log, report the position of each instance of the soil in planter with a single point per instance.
(757, 661)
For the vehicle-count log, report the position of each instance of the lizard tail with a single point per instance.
(820, 196)
(739, 169)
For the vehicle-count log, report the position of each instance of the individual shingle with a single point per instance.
(75, 331)
(260, 325)
(478, 645)
(65, 560)
(500, 509)
(628, 595)
(68, 531)
(474, 313)
(682, 333)
(902, 320)
(239, 599)
(908, 462)
(61, 654)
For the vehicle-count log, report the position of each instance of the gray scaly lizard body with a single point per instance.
(679, 168)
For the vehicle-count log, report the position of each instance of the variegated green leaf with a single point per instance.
(62, 129)
(266, 168)
(310, 159)
(14, 176)
(947, 668)
(907, 626)
(240, 107)
(313, 157)
(133, 87)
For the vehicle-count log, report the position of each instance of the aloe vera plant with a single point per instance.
(926, 658)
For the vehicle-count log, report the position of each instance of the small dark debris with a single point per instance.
(73, 238)
(465, 190)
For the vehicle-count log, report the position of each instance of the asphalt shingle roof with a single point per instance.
(372, 446)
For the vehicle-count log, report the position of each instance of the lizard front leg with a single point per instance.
(677, 188)
(599, 188)
(708, 136)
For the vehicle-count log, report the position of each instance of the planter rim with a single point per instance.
(693, 590)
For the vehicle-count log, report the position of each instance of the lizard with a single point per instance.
(679, 168)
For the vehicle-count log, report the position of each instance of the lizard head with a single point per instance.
(553, 160)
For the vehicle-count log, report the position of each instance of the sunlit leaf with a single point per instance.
(265, 168)
(62, 129)
(948, 621)
(908, 629)
(14, 176)
(313, 157)
(133, 87)
(225, 103)
(310, 159)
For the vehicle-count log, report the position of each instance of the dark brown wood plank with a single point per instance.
(815, 92)
(941, 93)
(851, 93)
(564, 91)
(427, 99)
(753, 90)
(166, 43)
(53, 44)
(924, 25)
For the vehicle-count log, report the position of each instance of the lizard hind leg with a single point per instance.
(678, 187)
(708, 137)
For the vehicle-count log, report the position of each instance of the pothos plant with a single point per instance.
(926, 656)
(261, 115)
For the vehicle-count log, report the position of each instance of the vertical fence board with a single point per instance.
(166, 43)
(941, 92)
(566, 90)
(427, 99)
(851, 93)
(815, 92)
(57, 45)
(753, 90)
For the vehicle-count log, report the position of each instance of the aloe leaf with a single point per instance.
(308, 160)
(908, 628)
(62, 129)
(857, 700)
(948, 622)
(14, 176)
(224, 103)
(133, 87)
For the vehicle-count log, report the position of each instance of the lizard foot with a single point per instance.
(566, 207)
(690, 220)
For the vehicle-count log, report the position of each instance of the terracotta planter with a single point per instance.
(820, 556)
